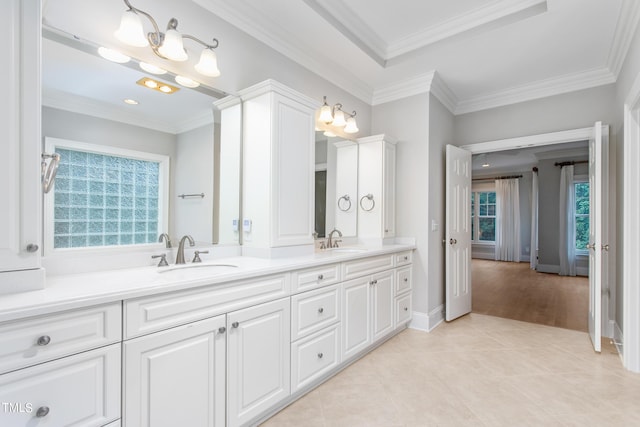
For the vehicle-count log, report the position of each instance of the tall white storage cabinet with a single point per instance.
(376, 187)
(278, 168)
(346, 219)
(20, 235)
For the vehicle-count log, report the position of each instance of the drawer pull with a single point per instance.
(406, 309)
(320, 355)
(406, 258)
(320, 276)
(406, 279)
(321, 310)
(373, 282)
(44, 340)
(235, 324)
(222, 330)
(42, 412)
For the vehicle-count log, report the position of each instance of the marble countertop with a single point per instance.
(64, 292)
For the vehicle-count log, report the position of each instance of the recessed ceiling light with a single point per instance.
(186, 81)
(113, 55)
(131, 101)
(150, 68)
(157, 85)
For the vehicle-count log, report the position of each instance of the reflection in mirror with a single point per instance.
(84, 100)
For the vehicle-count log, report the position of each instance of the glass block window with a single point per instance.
(105, 200)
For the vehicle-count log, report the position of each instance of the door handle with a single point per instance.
(605, 248)
(453, 241)
(591, 246)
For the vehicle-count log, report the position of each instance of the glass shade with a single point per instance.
(208, 64)
(351, 126)
(172, 47)
(130, 31)
(325, 114)
(338, 118)
(113, 55)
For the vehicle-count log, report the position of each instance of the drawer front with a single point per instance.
(404, 258)
(312, 278)
(314, 310)
(155, 313)
(403, 310)
(314, 356)
(80, 390)
(39, 339)
(365, 266)
(403, 280)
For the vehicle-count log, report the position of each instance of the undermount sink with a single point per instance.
(200, 266)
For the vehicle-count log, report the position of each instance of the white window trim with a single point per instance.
(52, 144)
(481, 188)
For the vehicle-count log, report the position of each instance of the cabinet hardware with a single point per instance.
(222, 330)
(605, 248)
(320, 355)
(591, 246)
(42, 412)
(32, 247)
(406, 279)
(406, 309)
(320, 276)
(321, 310)
(406, 258)
(453, 241)
(235, 324)
(44, 340)
(373, 282)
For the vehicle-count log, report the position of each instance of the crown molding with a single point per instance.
(536, 90)
(430, 82)
(625, 30)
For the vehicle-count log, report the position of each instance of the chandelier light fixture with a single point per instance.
(334, 116)
(168, 45)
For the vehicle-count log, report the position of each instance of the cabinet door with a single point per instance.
(20, 24)
(389, 176)
(80, 390)
(176, 377)
(346, 211)
(382, 292)
(258, 355)
(356, 315)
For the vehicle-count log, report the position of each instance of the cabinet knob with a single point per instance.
(320, 355)
(42, 412)
(235, 324)
(406, 309)
(32, 247)
(320, 276)
(321, 310)
(373, 282)
(222, 330)
(406, 279)
(44, 340)
(406, 258)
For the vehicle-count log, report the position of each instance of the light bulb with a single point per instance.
(172, 47)
(130, 31)
(208, 64)
(151, 84)
(351, 126)
(113, 55)
(150, 68)
(338, 118)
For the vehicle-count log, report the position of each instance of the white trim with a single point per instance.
(532, 140)
(555, 269)
(618, 340)
(436, 317)
(52, 144)
(419, 321)
(625, 30)
(430, 82)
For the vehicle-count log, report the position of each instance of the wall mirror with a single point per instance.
(84, 100)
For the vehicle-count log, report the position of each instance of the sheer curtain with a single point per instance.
(567, 223)
(533, 262)
(507, 220)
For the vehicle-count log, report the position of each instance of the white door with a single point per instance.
(258, 360)
(176, 377)
(458, 233)
(596, 233)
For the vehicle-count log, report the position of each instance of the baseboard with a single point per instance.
(618, 340)
(419, 321)
(480, 255)
(436, 316)
(555, 269)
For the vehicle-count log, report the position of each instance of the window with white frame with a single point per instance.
(581, 191)
(483, 216)
(105, 196)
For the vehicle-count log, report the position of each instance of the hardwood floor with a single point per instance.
(513, 291)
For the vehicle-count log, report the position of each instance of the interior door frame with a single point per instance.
(573, 135)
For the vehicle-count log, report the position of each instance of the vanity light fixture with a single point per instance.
(334, 116)
(157, 85)
(113, 55)
(186, 82)
(168, 45)
(150, 68)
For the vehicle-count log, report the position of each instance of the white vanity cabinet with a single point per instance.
(20, 236)
(258, 364)
(177, 376)
(376, 187)
(278, 168)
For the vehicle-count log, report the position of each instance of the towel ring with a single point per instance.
(370, 198)
(347, 199)
(48, 174)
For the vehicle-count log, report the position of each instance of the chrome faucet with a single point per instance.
(166, 238)
(330, 242)
(180, 255)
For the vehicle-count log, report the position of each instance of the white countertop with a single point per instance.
(64, 292)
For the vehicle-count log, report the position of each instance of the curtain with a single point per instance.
(507, 220)
(533, 262)
(567, 223)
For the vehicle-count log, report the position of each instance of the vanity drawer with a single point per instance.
(155, 313)
(314, 356)
(79, 390)
(39, 339)
(403, 280)
(314, 310)
(404, 258)
(403, 309)
(311, 278)
(365, 266)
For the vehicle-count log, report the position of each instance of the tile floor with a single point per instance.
(476, 371)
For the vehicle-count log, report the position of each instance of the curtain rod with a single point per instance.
(497, 177)
(575, 162)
